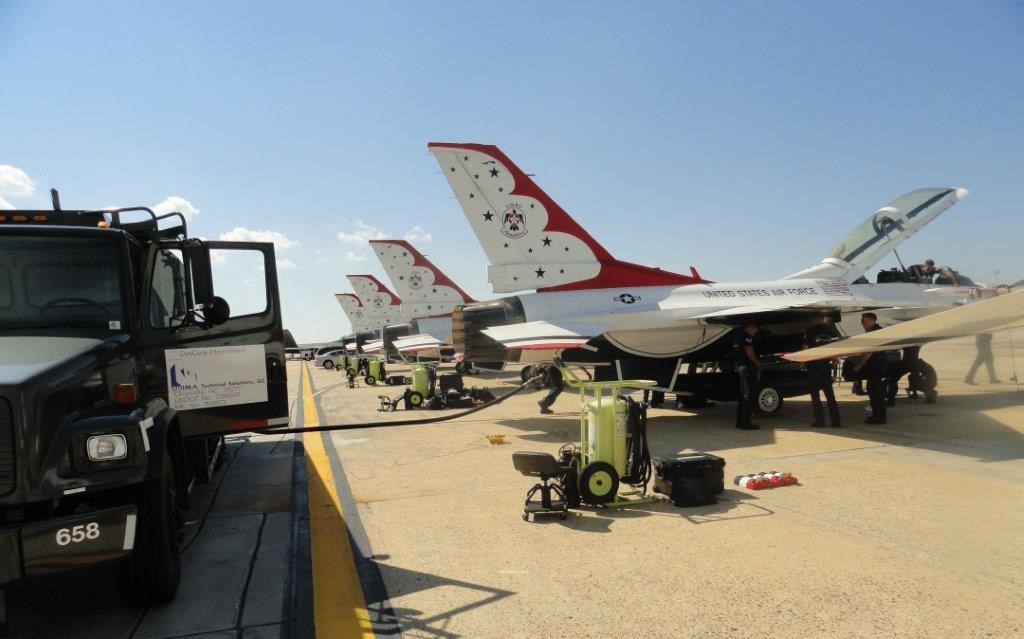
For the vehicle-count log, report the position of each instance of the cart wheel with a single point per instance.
(370, 380)
(526, 516)
(598, 483)
(415, 399)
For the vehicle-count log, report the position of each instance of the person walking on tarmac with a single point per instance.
(819, 373)
(872, 367)
(748, 367)
(983, 342)
(552, 379)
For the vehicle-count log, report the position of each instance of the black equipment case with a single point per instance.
(689, 480)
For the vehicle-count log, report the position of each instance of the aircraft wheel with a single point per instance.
(328, 364)
(599, 483)
(415, 399)
(769, 400)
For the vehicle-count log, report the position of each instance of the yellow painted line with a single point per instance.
(339, 610)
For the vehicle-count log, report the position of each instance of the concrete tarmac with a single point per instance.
(913, 529)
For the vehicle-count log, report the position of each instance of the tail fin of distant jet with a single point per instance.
(529, 239)
(354, 310)
(382, 306)
(425, 290)
(877, 236)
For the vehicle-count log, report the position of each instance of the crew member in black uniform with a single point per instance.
(748, 367)
(819, 373)
(553, 380)
(872, 367)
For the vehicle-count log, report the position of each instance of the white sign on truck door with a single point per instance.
(216, 376)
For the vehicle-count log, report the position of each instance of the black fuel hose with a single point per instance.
(638, 456)
(396, 422)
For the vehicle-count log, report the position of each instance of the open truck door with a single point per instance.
(214, 339)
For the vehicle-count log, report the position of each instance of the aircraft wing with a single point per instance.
(737, 310)
(541, 335)
(373, 346)
(416, 343)
(986, 316)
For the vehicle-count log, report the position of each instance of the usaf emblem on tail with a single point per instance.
(513, 222)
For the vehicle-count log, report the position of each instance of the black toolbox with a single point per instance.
(689, 480)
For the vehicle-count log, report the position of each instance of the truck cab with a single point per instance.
(121, 370)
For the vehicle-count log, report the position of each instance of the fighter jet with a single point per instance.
(428, 298)
(382, 307)
(634, 321)
(362, 331)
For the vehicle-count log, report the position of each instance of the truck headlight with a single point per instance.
(106, 447)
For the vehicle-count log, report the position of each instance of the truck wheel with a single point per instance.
(152, 573)
(769, 400)
(598, 483)
(328, 364)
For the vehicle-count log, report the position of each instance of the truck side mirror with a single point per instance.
(216, 311)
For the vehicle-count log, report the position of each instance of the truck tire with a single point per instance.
(769, 399)
(153, 571)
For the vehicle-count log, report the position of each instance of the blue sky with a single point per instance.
(744, 138)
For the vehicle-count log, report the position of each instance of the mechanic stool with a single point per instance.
(546, 467)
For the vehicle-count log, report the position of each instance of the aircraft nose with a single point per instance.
(961, 193)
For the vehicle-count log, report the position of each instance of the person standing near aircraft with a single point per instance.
(983, 342)
(553, 380)
(872, 367)
(819, 376)
(748, 367)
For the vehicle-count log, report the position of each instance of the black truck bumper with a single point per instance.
(53, 545)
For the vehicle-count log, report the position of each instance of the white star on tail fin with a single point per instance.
(529, 239)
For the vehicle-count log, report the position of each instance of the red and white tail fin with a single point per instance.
(529, 239)
(354, 310)
(425, 290)
(382, 306)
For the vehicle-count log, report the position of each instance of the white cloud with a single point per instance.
(179, 204)
(417, 234)
(354, 257)
(364, 232)
(242, 234)
(286, 265)
(5, 205)
(14, 182)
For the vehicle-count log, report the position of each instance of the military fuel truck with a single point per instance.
(121, 370)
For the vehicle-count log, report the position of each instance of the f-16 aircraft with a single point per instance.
(362, 330)
(636, 321)
(428, 297)
(381, 308)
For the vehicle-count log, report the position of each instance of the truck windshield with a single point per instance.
(60, 282)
